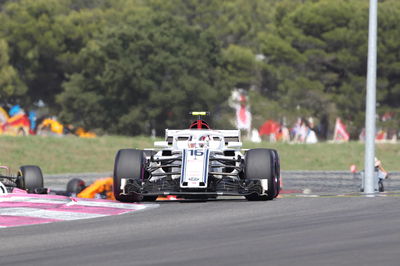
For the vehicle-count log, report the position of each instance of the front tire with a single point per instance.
(260, 166)
(129, 164)
(277, 173)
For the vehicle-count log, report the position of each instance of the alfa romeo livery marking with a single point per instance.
(195, 167)
(28, 209)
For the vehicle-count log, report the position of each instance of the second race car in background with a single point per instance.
(28, 178)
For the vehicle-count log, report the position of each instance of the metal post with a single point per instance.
(371, 99)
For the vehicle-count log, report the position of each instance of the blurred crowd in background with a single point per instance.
(304, 130)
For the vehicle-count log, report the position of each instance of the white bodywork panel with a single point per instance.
(194, 168)
(264, 185)
(3, 189)
(214, 139)
(196, 146)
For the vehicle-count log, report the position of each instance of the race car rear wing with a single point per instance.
(229, 135)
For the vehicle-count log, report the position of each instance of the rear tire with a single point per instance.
(260, 164)
(30, 178)
(129, 163)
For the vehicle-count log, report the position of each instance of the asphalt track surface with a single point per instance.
(293, 230)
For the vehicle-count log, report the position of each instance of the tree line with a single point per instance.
(130, 66)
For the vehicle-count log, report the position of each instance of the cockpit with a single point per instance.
(199, 139)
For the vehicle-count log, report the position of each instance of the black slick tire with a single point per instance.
(260, 165)
(75, 186)
(30, 177)
(129, 163)
(277, 171)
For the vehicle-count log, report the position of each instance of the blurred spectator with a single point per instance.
(270, 129)
(340, 134)
(255, 136)
(284, 134)
(382, 174)
(32, 121)
(381, 135)
(295, 132)
(304, 134)
(322, 129)
(311, 137)
(311, 122)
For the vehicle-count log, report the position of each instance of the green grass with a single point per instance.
(78, 155)
(331, 156)
(66, 154)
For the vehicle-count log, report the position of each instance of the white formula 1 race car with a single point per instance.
(197, 163)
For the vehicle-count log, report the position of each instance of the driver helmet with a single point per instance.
(201, 142)
(204, 141)
(75, 186)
